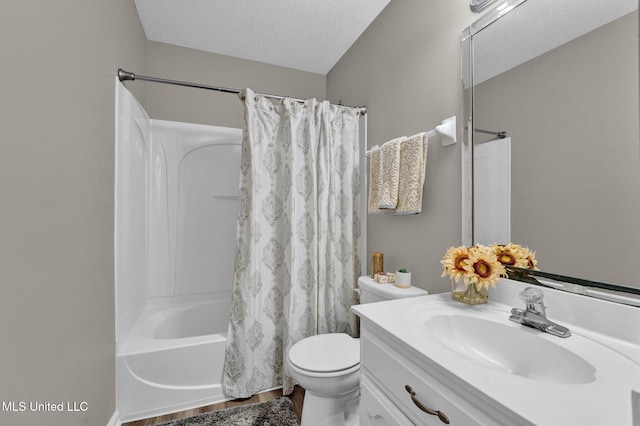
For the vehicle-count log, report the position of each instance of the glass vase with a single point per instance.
(469, 294)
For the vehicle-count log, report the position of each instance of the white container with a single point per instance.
(403, 279)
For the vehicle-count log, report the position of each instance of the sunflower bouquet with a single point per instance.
(482, 266)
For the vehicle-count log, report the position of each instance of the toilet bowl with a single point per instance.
(327, 366)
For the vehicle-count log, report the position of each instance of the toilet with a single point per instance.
(327, 366)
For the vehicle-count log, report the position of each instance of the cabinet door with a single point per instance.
(376, 409)
(410, 387)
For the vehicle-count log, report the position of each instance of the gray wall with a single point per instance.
(406, 69)
(56, 216)
(174, 103)
(57, 171)
(56, 183)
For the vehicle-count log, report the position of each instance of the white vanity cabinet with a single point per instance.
(389, 369)
(376, 409)
(427, 355)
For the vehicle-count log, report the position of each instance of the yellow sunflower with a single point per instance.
(483, 267)
(509, 254)
(528, 259)
(454, 262)
(515, 255)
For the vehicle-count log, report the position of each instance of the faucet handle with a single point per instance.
(532, 295)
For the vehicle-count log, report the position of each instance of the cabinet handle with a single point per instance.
(424, 408)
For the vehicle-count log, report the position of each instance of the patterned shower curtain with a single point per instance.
(297, 248)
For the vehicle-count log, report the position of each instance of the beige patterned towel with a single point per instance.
(413, 161)
(389, 174)
(411, 174)
(375, 165)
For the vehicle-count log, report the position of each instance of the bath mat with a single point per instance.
(277, 412)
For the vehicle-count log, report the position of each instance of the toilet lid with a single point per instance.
(326, 353)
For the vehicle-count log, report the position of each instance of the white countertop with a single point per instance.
(615, 356)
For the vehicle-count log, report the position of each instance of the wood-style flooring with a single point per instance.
(297, 397)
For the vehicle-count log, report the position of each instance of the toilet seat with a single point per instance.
(326, 353)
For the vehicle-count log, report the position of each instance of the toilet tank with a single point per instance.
(371, 291)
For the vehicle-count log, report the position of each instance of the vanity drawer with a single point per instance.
(376, 409)
(394, 372)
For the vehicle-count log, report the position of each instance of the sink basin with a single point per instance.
(477, 354)
(516, 350)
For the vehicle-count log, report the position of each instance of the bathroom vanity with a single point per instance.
(470, 365)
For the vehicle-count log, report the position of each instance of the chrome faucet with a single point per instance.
(534, 315)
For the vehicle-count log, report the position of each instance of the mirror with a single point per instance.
(561, 80)
(478, 6)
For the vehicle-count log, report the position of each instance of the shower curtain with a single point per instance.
(298, 236)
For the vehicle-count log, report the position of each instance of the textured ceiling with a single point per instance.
(309, 35)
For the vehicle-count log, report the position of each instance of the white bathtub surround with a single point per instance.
(173, 359)
(115, 420)
(176, 208)
(298, 236)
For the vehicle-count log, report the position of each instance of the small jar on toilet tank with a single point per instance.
(403, 278)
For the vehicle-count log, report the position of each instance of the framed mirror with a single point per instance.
(478, 6)
(559, 82)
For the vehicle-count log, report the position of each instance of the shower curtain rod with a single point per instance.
(129, 76)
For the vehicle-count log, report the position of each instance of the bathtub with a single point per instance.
(176, 210)
(173, 359)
